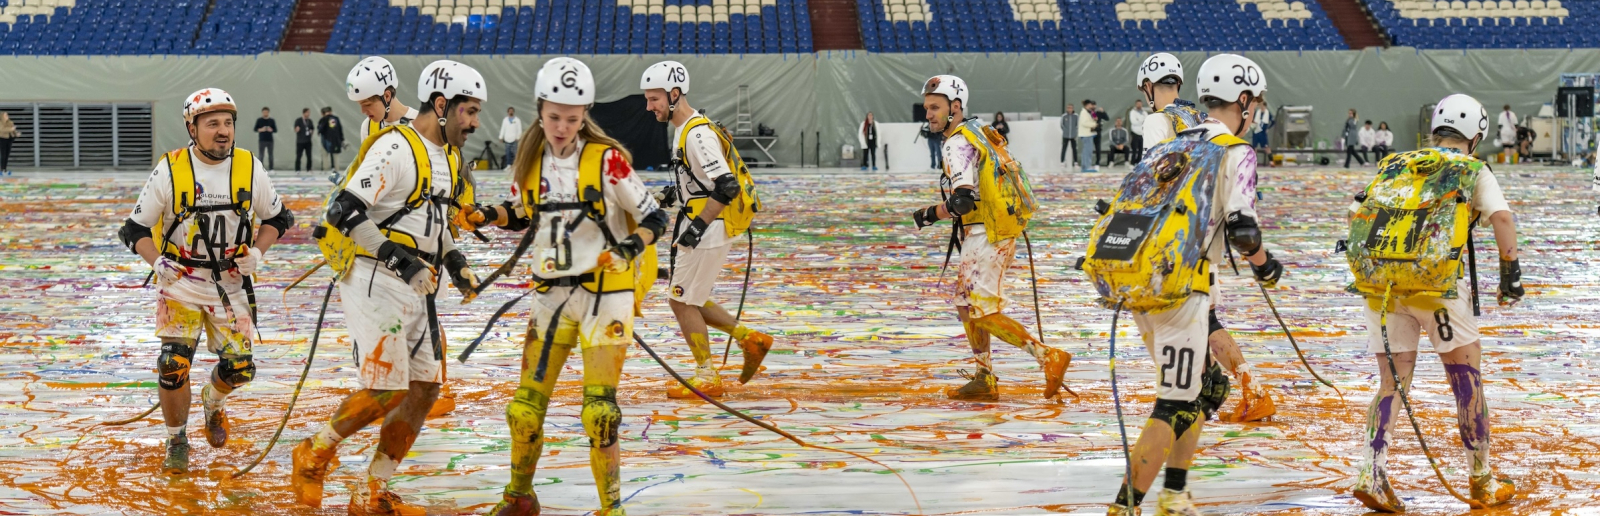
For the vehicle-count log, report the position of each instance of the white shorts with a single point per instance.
(1178, 340)
(577, 322)
(389, 324)
(229, 337)
(695, 273)
(981, 273)
(1449, 323)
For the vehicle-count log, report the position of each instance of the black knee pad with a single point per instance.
(1212, 321)
(173, 364)
(236, 371)
(1180, 415)
(1213, 390)
(602, 418)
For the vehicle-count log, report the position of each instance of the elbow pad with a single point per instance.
(283, 221)
(131, 233)
(346, 212)
(962, 202)
(1244, 234)
(726, 189)
(656, 222)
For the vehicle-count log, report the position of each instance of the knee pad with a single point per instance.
(236, 371)
(525, 415)
(1180, 415)
(1213, 390)
(173, 364)
(601, 416)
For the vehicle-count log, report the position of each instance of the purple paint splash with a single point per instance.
(1467, 384)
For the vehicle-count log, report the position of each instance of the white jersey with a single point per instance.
(1235, 191)
(703, 163)
(385, 180)
(567, 242)
(961, 162)
(366, 126)
(1157, 128)
(203, 233)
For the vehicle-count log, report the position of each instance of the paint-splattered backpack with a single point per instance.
(1005, 195)
(1413, 225)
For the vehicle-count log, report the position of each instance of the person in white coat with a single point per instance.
(1136, 127)
(867, 136)
(1508, 131)
(1368, 138)
(1384, 142)
(510, 133)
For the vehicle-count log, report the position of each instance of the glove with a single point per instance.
(168, 271)
(470, 218)
(926, 217)
(1268, 273)
(691, 236)
(1510, 283)
(248, 261)
(420, 276)
(667, 197)
(461, 276)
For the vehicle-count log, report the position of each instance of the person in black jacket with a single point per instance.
(266, 128)
(332, 133)
(303, 127)
(1000, 125)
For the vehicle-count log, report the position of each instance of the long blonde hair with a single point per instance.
(533, 140)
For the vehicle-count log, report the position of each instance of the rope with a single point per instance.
(310, 356)
(749, 263)
(1038, 316)
(141, 415)
(1292, 342)
(1116, 399)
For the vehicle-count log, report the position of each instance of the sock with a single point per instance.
(1122, 496)
(381, 469)
(1177, 479)
(1380, 421)
(175, 432)
(985, 363)
(212, 399)
(701, 348)
(326, 439)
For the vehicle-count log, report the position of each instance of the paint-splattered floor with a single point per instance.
(865, 347)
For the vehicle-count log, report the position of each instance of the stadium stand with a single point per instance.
(119, 27)
(1487, 24)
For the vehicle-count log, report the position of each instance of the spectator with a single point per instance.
(935, 140)
(510, 132)
(1352, 138)
(867, 135)
(332, 134)
(1369, 139)
(1525, 137)
(1508, 132)
(1383, 142)
(1259, 140)
(1100, 120)
(8, 134)
(266, 128)
(303, 127)
(1000, 126)
(1086, 137)
(1119, 144)
(1069, 136)
(1136, 129)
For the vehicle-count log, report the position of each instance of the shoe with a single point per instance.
(874, 169)
(516, 505)
(1253, 406)
(754, 346)
(1054, 364)
(983, 387)
(177, 461)
(1121, 510)
(370, 498)
(444, 404)
(216, 428)
(1372, 488)
(1491, 491)
(863, 167)
(709, 385)
(310, 468)
(1176, 503)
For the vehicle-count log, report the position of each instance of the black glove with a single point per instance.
(926, 216)
(1268, 273)
(629, 248)
(400, 260)
(515, 221)
(1510, 282)
(667, 197)
(691, 235)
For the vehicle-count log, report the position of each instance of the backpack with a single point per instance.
(739, 214)
(1182, 115)
(1148, 251)
(184, 188)
(1005, 195)
(339, 250)
(1413, 225)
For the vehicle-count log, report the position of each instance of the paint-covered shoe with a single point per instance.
(444, 404)
(710, 385)
(1254, 405)
(1176, 503)
(612, 511)
(216, 428)
(1372, 488)
(1492, 491)
(516, 505)
(1054, 364)
(310, 468)
(983, 387)
(177, 461)
(755, 346)
(1118, 509)
(370, 498)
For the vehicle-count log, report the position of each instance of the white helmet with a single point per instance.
(1225, 76)
(950, 86)
(370, 78)
(451, 79)
(565, 80)
(666, 75)
(1157, 67)
(1462, 113)
(206, 101)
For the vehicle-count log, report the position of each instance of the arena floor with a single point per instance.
(865, 346)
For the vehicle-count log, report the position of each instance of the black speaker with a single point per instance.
(1581, 101)
(918, 113)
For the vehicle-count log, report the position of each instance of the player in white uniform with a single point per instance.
(373, 85)
(1230, 85)
(387, 296)
(1458, 126)
(1159, 78)
(203, 260)
(701, 171)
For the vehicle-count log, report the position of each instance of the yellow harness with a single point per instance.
(739, 214)
(340, 250)
(183, 203)
(1005, 196)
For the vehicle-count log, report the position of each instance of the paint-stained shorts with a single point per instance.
(981, 273)
(225, 336)
(389, 324)
(577, 322)
(1178, 340)
(695, 273)
(1448, 322)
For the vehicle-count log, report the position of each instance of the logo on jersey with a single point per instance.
(617, 167)
(544, 186)
(615, 329)
(677, 291)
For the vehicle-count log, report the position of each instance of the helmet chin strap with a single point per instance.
(1149, 90)
(208, 154)
(672, 103)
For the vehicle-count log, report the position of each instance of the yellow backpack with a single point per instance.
(1413, 225)
(1148, 252)
(1005, 195)
(1182, 115)
(339, 250)
(739, 214)
(641, 272)
(184, 198)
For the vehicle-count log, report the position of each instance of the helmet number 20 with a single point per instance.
(1247, 75)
